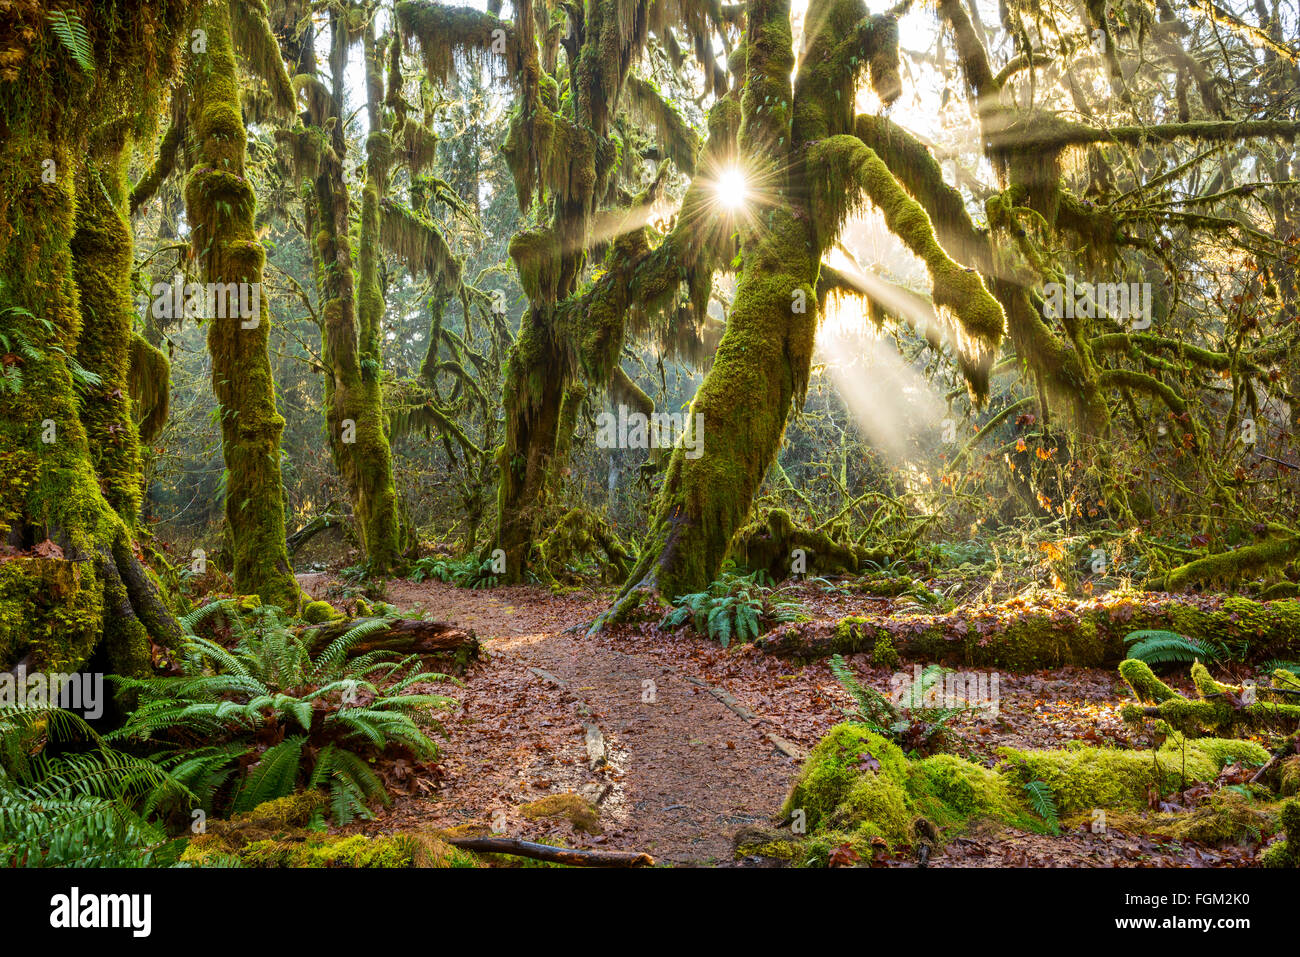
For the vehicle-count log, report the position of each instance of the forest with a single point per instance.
(780, 434)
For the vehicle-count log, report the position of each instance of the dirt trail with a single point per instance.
(684, 771)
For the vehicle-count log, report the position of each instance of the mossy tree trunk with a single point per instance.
(762, 362)
(355, 421)
(60, 606)
(220, 204)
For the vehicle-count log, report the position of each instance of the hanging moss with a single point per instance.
(451, 36)
(149, 383)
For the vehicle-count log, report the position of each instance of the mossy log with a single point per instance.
(407, 635)
(1022, 635)
(1226, 568)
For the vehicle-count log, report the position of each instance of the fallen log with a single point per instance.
(1049, 631)
(556, 855)
(412, 636)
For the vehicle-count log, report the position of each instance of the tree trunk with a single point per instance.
(76, 584)
(764, 358)
(358, 430)
(220, 204)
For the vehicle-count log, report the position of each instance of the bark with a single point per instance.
(545, 852)
(220, 205)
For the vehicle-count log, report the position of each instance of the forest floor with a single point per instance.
(699, 739)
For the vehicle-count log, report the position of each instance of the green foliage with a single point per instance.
(1043, 803)
(1169, 647)
(912, 723)
(735, 608)
(467, 572)
(67, 26)
(16, 348)
(873, 708)
(86, 805)
(317, 719)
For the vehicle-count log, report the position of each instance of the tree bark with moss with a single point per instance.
(567, 160)
(354, 414)
(76, 588)
(220, 205)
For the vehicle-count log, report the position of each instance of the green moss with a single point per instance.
(581, 813)
(318, 612)
(1148, 688)
(1286, 853)
(876, 806)
(1085, 778)
(53, 610)
(884, 654)
(949, 791)
(845, 173)
(1288, 776)
(1227, 817)
(220, 204)
(858, 788)
(834, 766)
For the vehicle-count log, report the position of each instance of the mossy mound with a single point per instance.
(858, 789)
(319, 612)
(1083, 778)
(1286, 853)
(581, 813)
(275, 834)
(858, 784)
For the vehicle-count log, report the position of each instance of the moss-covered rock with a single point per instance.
(319, 612)
(581, 813)
(861, 788)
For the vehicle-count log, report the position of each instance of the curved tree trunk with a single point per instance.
(220, 205)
